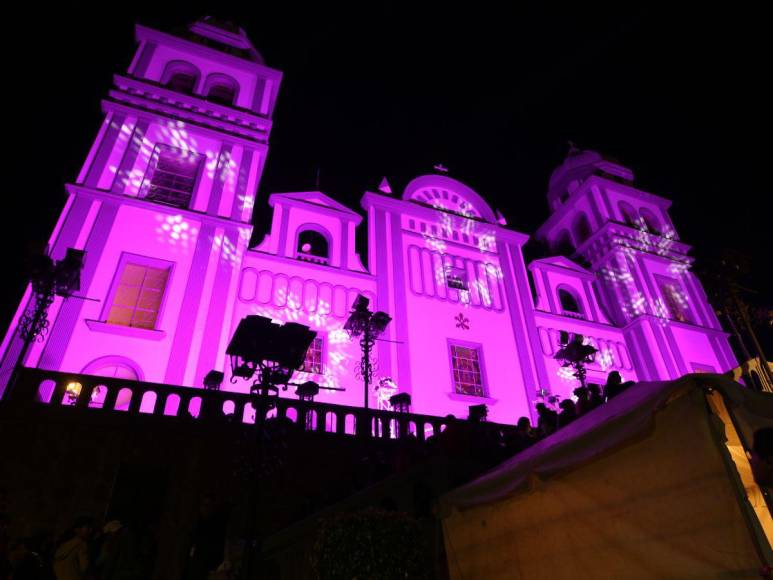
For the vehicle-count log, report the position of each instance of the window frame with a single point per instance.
(173, 67)
(578, 299)
(296, 252)
(221, 80)
(484, 385)
(147, 178)
(322, 356)
(139, 260)
(453, 272)
(660, 281)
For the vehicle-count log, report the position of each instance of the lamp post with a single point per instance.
(273, 352)
(367, 325)
(575, 354)
(49, 279)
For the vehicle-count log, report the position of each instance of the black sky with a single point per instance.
(378, 89)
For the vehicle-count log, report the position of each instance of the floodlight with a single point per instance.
(379, 322)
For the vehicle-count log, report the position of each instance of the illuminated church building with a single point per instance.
(163, 208)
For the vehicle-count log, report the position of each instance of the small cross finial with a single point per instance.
(440, 168)
(572, 148)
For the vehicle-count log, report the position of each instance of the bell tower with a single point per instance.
(642, 269)
(162, 208)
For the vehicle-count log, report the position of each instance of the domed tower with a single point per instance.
(162, 208)
(642, 271)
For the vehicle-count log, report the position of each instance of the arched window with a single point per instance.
(114, 366)
(581, 228)
(563, 244)
(569, 303)
(628, 213)
(182, 83)
(312, 246)
(180, 76)
(650, 221)
(221, 89)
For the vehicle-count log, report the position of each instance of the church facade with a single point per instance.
(163, 207)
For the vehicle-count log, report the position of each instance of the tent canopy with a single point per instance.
(655, 483)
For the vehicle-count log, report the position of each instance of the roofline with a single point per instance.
(579, 271)
(371, 199)
(142, 32)
(339, 208)
(561, 212)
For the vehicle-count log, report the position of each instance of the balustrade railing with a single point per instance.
(93, 394)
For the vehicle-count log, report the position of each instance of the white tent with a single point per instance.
(654, 484)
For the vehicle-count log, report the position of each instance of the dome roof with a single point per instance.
(222, 35)
(579, 165)
(448, 194)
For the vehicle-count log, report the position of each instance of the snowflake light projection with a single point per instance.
(634, 302)
(565, 374)
(487, 241)
(665, 241)
(660, 310)
(605, 359)
(176, 231)
(459, 223)
(339, 361)
(218, 165)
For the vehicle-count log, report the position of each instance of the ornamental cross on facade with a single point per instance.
(462, 321)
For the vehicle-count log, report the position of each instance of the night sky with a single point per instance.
(378, 89)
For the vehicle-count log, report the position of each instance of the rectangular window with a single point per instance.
(171, 176)
(313, 361)
(468, 375)
(138, 295)
(674, 299)
(456, 278)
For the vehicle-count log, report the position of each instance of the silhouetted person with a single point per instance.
(71, 559)
(615, 385)
(595, 398)
(548, 420)
(524, 435)
(583, 404)
(568, 412)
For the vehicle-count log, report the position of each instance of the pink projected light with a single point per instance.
(163, 208)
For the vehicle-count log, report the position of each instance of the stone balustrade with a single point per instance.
(99, 395)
